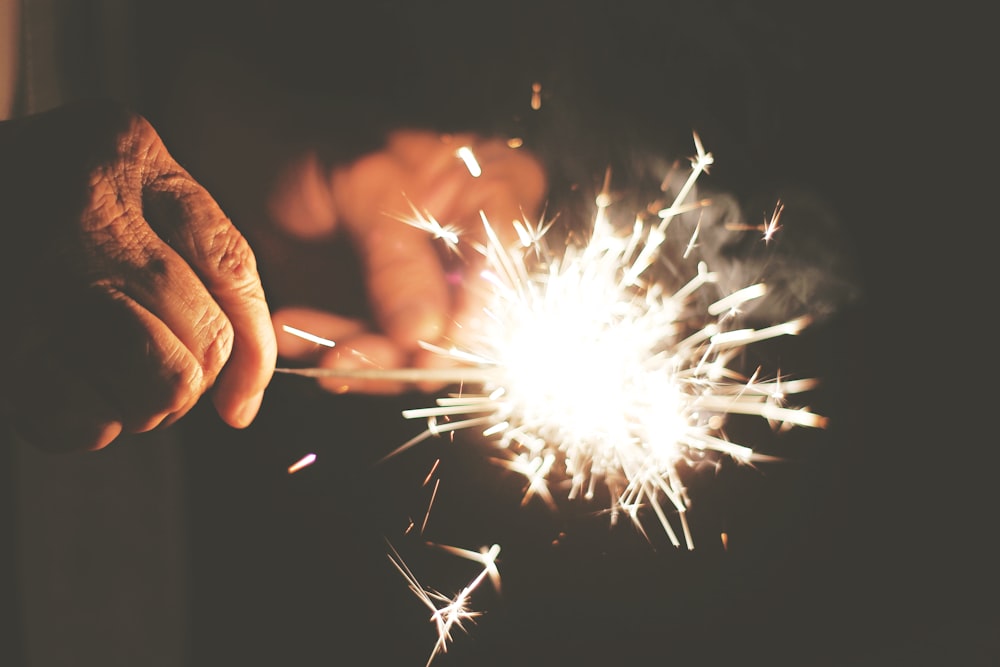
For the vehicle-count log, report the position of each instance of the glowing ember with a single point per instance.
(304, 462)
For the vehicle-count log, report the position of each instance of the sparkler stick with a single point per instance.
(456, 375)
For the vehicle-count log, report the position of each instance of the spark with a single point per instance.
(469, 158)
(772, 226)
(693, 242)
(454, 611)
(768, 229)
(530, 235)
(430, 504)
(425, 221)
(304, 462)
(536, 470)
(487, 557)
(700, 164)
(312, 338)
(430, 473)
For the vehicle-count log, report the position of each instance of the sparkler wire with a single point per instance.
(444, 375)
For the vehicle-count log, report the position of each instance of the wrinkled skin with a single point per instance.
(128, 293)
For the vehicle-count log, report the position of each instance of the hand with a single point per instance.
(409, 279)
(129, 292)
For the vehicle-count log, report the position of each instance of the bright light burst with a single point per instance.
(592, 376)
(586, 371)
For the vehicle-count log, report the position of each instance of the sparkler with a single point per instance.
(592, 376)
(587, 372)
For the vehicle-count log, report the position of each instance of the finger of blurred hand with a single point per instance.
(365, 351)
(403, 272)
(314, 323)
(408, 271)
(354, 348)
(406, 282)
(508, 190)
(508, 184)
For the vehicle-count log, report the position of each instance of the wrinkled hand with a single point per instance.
(412, 284)
(128, 292)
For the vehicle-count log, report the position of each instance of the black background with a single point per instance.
(871, 544)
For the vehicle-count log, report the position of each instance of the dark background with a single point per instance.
(871, 544)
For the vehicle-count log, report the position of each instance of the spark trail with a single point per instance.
(450, 613)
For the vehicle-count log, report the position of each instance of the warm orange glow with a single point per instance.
(536, 96)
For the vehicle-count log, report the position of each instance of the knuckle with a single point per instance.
(139, 126)
(230, 254)
(110, 221)
(134, 134)
(233, 263)
(184, 384)
(141, 138)
(215, 333)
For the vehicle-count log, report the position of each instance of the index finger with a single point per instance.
(222, 258)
